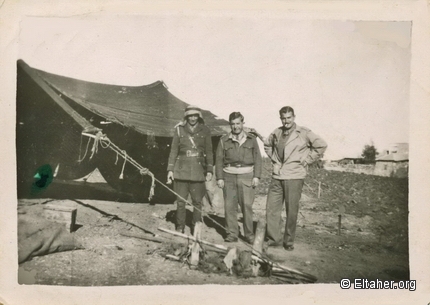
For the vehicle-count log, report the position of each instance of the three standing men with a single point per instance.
(190, 164)
(238, 171)
(291, 149)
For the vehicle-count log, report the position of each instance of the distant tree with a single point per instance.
(369, 153)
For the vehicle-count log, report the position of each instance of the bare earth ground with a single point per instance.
(373, 243)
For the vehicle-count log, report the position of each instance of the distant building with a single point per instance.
(346, 161)
(395, 161)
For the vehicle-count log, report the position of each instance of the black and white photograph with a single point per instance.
(224, 148)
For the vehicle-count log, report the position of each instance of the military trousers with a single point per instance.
(237, 191)
(197, 190)
(280, 191)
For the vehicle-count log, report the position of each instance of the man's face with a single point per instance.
(193, 119)
(287, 119)
(236, 126)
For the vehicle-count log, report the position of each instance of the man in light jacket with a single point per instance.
(291, 149)
(238, 171)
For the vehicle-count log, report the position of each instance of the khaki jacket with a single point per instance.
(191, 155)
(230, 154)
(302, 148)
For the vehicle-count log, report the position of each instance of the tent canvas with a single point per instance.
(149, 109)
(53, 111)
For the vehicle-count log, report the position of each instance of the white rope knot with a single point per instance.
(95, 148)
(144, 171)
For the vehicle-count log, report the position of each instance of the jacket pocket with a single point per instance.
(179, 165)
(248, 154)
(228, 153)
(247, 183)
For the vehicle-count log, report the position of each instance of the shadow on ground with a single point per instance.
(61, 189)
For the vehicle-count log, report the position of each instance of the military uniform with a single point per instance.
(190, 159)
(238, 161)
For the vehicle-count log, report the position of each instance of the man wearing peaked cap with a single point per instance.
(190, 164)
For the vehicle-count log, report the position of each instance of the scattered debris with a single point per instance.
(229, 258)
(233, 261)
(145, 237)
(158, 216)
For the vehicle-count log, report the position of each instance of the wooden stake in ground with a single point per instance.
(319, 189)
(339, 223)
(260, 232)
(195, 247)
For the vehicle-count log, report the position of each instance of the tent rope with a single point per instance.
(105, 142)
(95, 148)
(121, 176)
(99, 137)
(86, 150)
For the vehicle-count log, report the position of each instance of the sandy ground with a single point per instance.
(365, 248)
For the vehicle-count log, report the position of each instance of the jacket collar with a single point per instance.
(195, 129)
(292, 129)
(243, 136)
(187, 127)
(247, 135)
(294, 133)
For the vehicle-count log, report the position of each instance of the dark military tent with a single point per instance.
(53, 112)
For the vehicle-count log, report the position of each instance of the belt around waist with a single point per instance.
(191, 153)
(238, 165)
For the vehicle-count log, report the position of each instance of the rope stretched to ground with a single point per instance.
(105, 142)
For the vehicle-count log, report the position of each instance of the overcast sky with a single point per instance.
(347, 81)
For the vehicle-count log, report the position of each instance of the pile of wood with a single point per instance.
(232, 261)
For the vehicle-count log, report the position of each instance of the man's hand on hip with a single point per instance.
(255, 182)
(220, 183)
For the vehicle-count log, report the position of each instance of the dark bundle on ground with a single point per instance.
(176, 249)
(242, 265)
(212, 263)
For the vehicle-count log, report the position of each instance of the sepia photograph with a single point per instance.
(234, 147)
